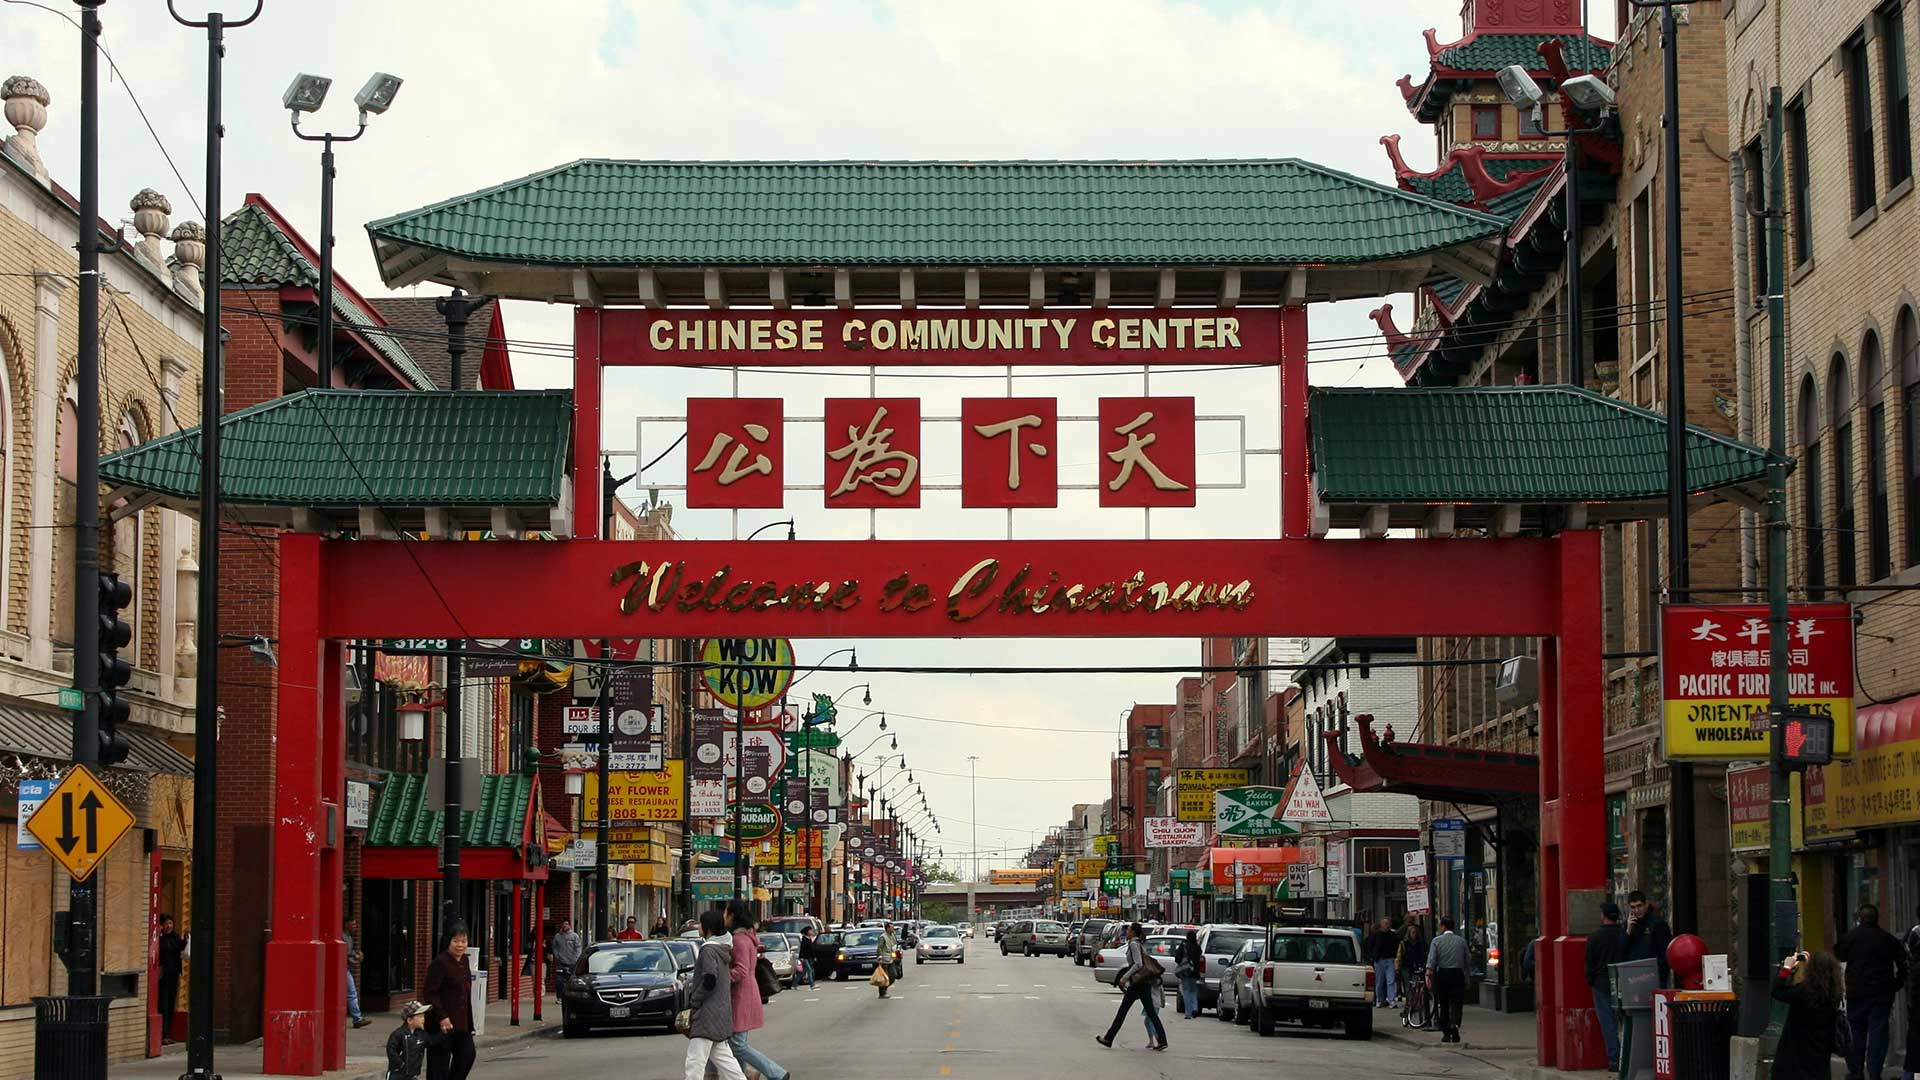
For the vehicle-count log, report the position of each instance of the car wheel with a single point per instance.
(963, 960)
(1263, 1021)
(1360, 1027)
(1028, 952)
(840, 975)
(1221, 1011)
(916, 958)
(1003, 948)
(572, 1031)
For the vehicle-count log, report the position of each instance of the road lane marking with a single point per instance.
(1033, 997)
(943, 997)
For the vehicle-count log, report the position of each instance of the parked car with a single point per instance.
(779, 951)
(1218, 944)
(1111, 957)
(1091, 934)
(622, 984)
(941, 943)
(1030, 937)
(794, 925)
(1314, 975)
(858, 952)
(1237, 981)
(684, 952)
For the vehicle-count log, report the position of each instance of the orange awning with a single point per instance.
(1259, 866)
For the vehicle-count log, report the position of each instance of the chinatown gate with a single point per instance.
(1022, 265)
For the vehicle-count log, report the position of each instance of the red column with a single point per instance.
(1573, 809)
(1296, 503)
(513, 977)
(539, 945)
(332, 861)
(586, 423)
(297, 1013)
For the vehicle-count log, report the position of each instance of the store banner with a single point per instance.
(1880, 787)
(1715, 662)
(709, 729)
(1194, 788)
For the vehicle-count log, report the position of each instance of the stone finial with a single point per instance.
(151, 212)
(26, 109)
(189, 256)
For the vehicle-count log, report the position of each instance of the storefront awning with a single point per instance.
(504, 840)
(1259, 865)
(48, 733)
(1432, 771)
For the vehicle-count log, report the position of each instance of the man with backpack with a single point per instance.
(749, 1003)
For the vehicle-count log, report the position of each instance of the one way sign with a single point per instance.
(80, 822)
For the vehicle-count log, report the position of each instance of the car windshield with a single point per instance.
(1313, 949)
(862, 937)
(943, 931)
(1228, 942)
(774, 943)
(643, 958)
(1048, 928)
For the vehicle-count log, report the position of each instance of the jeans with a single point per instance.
(750, 1058)
(1383, 983)
(1190, 994)
(1867, 1016)
(1144, 996)
(803, 972)
(353, 998)
(1609, 1024)
(701, 1051)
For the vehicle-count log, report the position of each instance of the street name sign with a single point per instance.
(80, 822)
(1250, 812)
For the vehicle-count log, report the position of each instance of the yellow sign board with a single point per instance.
(80, 822)
(747, 673)
(1879, 788)
(636, 796)
(1194, 788)
(1089, 870)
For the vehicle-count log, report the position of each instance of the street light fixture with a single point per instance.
(305, 95)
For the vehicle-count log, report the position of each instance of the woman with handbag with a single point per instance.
(1812, 987)
(708, 1020)
(1139, 977)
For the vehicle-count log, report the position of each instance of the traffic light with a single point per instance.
(115, 634)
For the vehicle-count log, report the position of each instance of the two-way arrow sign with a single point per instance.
(80, 822)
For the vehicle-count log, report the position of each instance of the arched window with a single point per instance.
(127, 535)
(1812, 521)
(1873, 381)
(1906, 343)
(1840, 420)
(66, 466)
(7, 509)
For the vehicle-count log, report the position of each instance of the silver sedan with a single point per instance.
(1108, 959)
(1238, 981)
(778, 949)
(941, 943)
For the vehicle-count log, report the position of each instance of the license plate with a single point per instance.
(618, 1012)
(1319, 1003)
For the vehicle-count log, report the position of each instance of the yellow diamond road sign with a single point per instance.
(80, 822)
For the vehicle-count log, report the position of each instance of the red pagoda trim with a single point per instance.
(1431, 771)
(1382, 317)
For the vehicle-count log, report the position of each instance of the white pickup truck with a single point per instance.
(1314, 975)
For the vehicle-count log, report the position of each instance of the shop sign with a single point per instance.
(1878, 788)
(1090, 870)
(359, 804)
(1252, 812)
(713, 890)
(1116, 882)
(1337, 869)
(1304, 800)
(1749, 795)
(1617, 824)
(1163, 832)
(1714, 676)
(501, 657)
(757, 819)
(1194, 788)
(747, 673)
(635, 796)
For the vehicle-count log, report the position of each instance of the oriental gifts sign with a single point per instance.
(1714, 664)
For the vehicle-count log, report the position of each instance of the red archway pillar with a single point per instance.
(1296, 471)
(304, 1006)
(1573, 832)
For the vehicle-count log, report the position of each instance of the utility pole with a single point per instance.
(455, 309)
(602, 926)
(1785, 915)
(973, 784)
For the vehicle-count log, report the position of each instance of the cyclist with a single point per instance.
(1412, 969)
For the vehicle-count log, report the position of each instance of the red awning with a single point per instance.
(1432, 771)
(423, 864)
(1882, 725)
(1264, 865)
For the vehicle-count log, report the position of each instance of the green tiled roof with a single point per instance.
(1506, 444)
(402, 818)
(852, 213)
(397, 448)
(1491, 52)
(1451, 185)
(254, 250)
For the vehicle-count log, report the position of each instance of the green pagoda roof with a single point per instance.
(403, 818)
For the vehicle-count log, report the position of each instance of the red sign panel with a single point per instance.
(734, 453)
(872, 450)
(1714, 663)
(1007, 452)
(1147, 455)
(896, 337)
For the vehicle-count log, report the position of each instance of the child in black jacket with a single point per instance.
(407, 1046)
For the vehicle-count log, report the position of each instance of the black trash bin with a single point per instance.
(70, 1038)
(1703, 1038)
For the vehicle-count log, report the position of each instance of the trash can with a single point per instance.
(1703, 1037)
(1633, 984)
(70, 1038)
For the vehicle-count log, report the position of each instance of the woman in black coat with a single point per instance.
(1812, 987)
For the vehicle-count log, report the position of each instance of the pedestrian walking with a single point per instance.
(804, 956)
(883, 959)
(1137, 977)
(1606, 947)
(1447, 975)
(1186, 965)
(1876, 970)
(1811, 987)
(407, 1046)
(710, 1004)
(350, 930)
(565, 949)
(1647, 933)
(749, 1011)
(631, 932)
(170, 947)
(449, 992)
(1383, 950)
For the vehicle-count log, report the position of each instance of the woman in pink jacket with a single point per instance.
(749, 1014)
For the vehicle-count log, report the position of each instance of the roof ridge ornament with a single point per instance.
(26, 109)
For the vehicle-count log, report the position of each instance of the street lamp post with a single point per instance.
(305, 95)
(973, 785)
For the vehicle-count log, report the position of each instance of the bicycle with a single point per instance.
(1416, 1002)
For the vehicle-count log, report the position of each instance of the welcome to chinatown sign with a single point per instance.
(1715, 662)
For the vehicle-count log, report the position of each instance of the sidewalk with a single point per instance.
(366, 1048)
(1503, 1040)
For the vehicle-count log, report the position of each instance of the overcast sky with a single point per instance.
(497, 89)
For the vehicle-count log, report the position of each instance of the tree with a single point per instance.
(937, 872)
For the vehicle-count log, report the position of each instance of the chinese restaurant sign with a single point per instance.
(1714, 663)
(1194, 788)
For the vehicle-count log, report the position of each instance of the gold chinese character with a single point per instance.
(871, 448)
(733, 470)
(1013, 445)
(1135, 453)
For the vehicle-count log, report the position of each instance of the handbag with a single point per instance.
(1842, 1033)
(683, 1022)
(1146, 973)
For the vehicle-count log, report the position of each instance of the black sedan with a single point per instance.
(623, 984)
(859, 952)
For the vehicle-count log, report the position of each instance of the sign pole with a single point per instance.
(739, 780)
(602, 916)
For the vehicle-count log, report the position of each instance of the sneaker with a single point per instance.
(1103, 1041)
(362, 1022)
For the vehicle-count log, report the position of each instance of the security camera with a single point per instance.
(1588, 93)
(1520, 88)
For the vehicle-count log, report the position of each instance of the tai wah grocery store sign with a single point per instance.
(1714, 665)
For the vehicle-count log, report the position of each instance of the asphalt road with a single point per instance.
(995, 1018)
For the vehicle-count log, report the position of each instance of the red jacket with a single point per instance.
(748, 1013)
